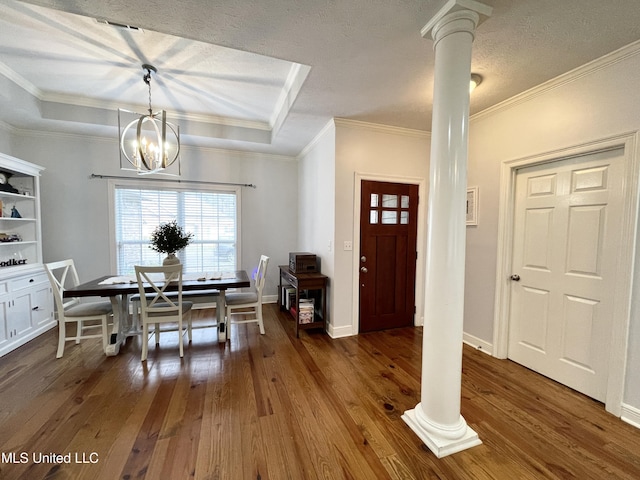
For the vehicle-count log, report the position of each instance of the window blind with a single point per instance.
(211, 216)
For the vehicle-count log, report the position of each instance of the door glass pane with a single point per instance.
(373, 216)
(374, 199)
(389, 217)
(389, 201)
(404, 218)
(404, 202)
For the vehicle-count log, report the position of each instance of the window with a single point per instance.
(211, 215)
(388, 215)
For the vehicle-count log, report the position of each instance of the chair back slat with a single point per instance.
(62, 275)
(58, 273)
(158, 307)
(261, 274)
(159, 279)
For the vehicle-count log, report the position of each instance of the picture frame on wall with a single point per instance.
(472, 206)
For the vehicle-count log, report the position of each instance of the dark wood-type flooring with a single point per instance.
(278, 407)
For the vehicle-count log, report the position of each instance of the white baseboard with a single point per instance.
(269, 299)
(340, 332)
(630, 415)
(477, 343)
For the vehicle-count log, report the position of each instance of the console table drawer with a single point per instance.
(290, 279)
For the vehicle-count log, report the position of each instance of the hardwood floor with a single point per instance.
(277, 407)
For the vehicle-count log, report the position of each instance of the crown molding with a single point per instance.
(7, 127)
(297, 75)
(192, 117)
(596, 65)
(20, 81)
(376, 127)
(247, 154)
(316, 139)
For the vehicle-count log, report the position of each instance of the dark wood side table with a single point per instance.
(314, 285)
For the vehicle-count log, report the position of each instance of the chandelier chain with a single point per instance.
(147, 80)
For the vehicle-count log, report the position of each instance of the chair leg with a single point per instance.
(157, 334)
(145, 341)
(62, 335)
(79, 331)
(259, 317)
(181, 339)
(135, 314)
(189, 325)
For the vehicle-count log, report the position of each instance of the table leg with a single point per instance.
(220, 317)
(122, 327)
(115, 337)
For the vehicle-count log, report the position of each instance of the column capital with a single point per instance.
(480, 9)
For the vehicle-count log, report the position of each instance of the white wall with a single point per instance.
(378, 151)
(316, 214)
(5, 139)
(593, 103)
(75, 215)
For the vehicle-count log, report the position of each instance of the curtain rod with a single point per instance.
(120, 177)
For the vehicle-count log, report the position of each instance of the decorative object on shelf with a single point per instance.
(170, 238)
(5, 186)
(10, 237)
(15, 213)
(149, 143)
(12, 262)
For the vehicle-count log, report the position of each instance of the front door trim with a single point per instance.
(624, 280)
(420, 242)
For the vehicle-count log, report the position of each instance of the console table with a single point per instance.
(315, 286)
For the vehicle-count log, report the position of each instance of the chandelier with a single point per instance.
(148, 143)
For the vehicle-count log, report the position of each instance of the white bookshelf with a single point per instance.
(26, 301)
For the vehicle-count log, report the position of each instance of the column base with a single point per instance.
(438, 444)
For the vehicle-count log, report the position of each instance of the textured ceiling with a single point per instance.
(267, 76)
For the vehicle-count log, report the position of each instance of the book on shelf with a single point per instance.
(307, 306)
(290, 297)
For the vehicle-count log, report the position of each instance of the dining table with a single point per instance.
(120, 288)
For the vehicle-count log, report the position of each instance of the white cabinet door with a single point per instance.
(20, 314)
(41, 305)
(4, 317)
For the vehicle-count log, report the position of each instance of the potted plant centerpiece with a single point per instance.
(170, 238)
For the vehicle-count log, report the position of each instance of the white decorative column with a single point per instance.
(437, 419)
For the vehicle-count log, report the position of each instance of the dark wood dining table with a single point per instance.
(119, 289)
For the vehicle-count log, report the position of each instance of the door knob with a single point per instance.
(363, 259)
(515, 277)
(363, 269)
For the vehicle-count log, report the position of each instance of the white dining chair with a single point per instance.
(248, 303)
(63, 275)
(162, 306)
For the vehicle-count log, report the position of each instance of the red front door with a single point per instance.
(388, 231)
